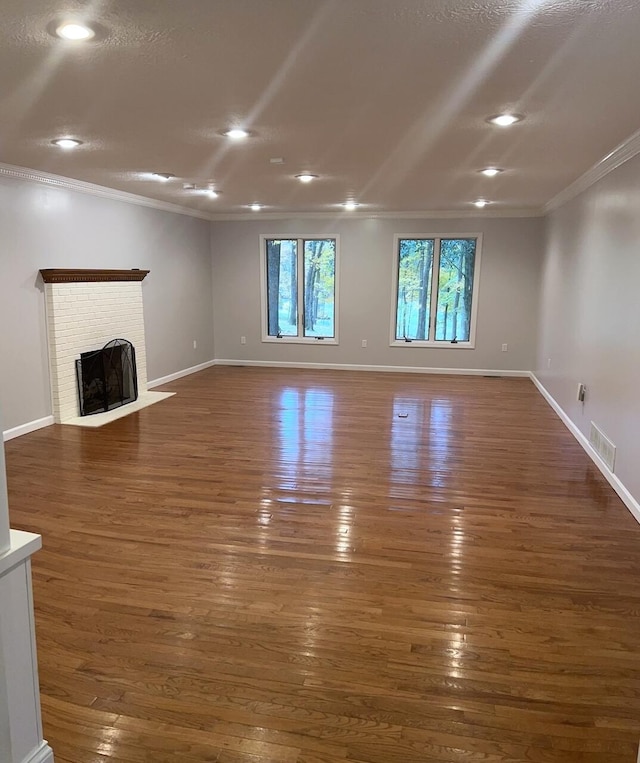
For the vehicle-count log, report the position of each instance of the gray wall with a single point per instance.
(509, 291)
(48, 227)
(589, 314)
(588, 327)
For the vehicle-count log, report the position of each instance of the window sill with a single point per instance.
(298, 340)
(415, 343)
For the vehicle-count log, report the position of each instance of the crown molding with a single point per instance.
(446, 214)
(69, 184)
(620, 154)
(58, 181)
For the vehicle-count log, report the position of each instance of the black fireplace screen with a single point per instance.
(107, 378)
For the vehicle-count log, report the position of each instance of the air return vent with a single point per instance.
(602, 446)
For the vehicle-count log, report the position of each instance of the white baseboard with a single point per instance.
(42, 754)
(626, 497)
(180, 374)
(355, 367)
(30, 426)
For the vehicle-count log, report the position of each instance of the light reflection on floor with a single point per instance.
(305, 436)
(420, 440)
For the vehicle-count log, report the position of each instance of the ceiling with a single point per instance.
(385, 100)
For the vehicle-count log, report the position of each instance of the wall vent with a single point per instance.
(602, 446)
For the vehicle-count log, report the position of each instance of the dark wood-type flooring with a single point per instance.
(286, 566)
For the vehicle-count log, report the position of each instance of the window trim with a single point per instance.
(300, 339)
(442, 345)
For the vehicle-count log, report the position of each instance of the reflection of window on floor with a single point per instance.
(420, 441)
(440, 424)
(305, 437)
(344, 529)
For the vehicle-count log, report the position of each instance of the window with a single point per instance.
(435, 285)
(299, 288)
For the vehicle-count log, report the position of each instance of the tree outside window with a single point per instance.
(300, 272)
(435, 289)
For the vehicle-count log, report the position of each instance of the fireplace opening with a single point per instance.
(107, 378)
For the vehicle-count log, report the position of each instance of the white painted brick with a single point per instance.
(82, 318)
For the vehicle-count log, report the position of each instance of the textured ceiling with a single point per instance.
(385, 100)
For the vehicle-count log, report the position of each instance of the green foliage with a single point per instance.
(318, 271)
(282, 309)
(455, 260)
(415, 267)
(319, 282)
(455, 287)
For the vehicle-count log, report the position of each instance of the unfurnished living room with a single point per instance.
(320, 357)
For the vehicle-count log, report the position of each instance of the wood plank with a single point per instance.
(273, 566)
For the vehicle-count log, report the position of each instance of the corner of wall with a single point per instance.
(629, 501)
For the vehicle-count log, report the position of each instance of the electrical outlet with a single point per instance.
(364, 342)
(505, 347)
(195, 345)
(243, 340)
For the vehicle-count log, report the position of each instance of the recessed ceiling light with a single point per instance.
(491, 171)
(236, 133)
(67, 143)
(74, 31)
(350, 205)
(163, 177)
(481, 203)
(255, 207)
(505, 120)
(306, 177)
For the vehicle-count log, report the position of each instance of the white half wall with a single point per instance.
(48, 227)
(4, 503)
(19, 686)
(5, 730)
(589, 316)
(507, 308)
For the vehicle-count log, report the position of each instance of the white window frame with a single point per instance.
(442, 344)
(300, 339)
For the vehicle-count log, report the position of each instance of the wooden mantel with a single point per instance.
(60, 275)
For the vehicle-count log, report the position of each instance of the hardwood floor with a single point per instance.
(292, 566)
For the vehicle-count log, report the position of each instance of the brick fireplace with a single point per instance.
(85, 310)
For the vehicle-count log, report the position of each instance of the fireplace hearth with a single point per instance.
(107, 378)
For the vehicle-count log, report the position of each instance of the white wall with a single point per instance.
(589, 314)
(49, 227)
(5, 736)
(509, 284)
